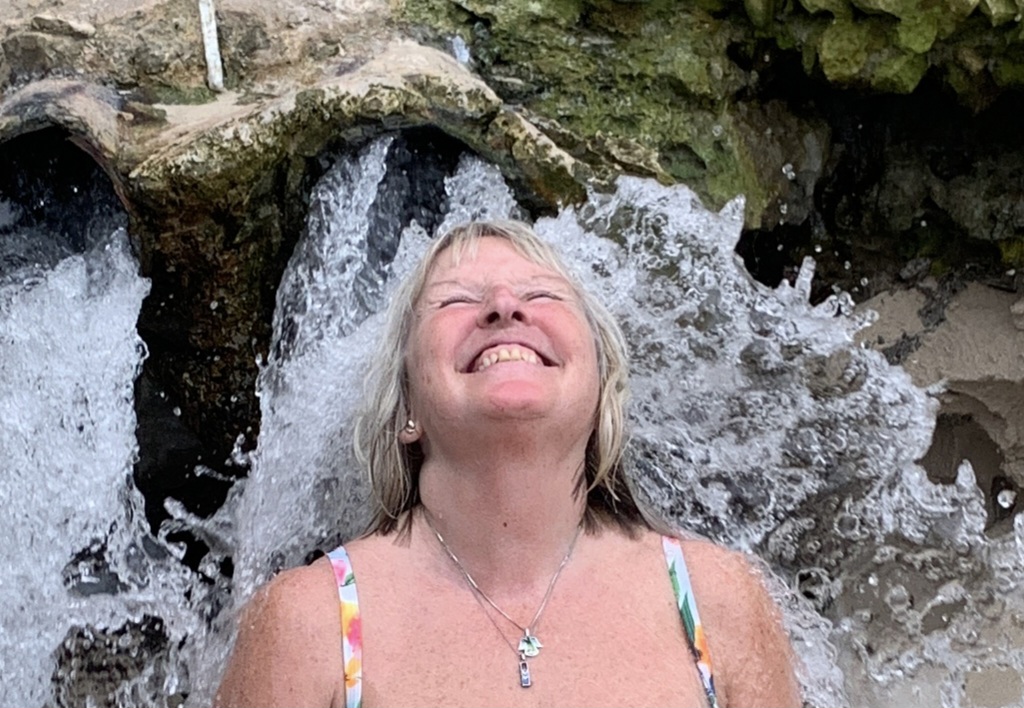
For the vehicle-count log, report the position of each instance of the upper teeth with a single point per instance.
(512, 353)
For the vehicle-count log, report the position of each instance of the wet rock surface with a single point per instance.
(90, 661)
(975, 354)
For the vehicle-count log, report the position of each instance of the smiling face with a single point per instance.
(497, 336)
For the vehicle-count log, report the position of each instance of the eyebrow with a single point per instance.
(528, 281)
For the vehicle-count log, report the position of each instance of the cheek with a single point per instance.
(420, 360)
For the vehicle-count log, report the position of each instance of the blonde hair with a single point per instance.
(393, 468)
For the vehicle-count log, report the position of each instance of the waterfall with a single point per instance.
(83, 591)
(756, 421)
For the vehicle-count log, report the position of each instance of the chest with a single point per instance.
(608, 640)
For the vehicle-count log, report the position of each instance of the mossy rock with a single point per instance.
(655, 77)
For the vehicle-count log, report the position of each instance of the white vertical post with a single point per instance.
(211, 46)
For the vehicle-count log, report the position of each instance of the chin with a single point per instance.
(514, 397)
(517, 410)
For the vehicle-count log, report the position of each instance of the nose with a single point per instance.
(502, 306)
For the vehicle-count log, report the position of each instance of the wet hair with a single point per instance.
(394, 467)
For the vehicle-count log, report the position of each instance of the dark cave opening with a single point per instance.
(891, 205)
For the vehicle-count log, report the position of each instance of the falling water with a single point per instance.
(757, 421)
(85, 596)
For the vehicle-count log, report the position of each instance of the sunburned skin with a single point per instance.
(498, 336)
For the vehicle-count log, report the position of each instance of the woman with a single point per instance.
(508, 562)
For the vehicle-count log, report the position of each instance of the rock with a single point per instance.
(837, 8)
(1017, 311)
(297, 18)
(858, 52)
(760, 12)
(915, 269)
(85, 110)
(36, 54)
(976, 200)
(1000, 12)
(57, 25)
(144, 112)
(768, 137)
(91, 659)
(975, 353)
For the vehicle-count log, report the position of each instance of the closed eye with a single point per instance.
(455, 299)
(542, 295)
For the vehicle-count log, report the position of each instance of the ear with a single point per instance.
(410, 433)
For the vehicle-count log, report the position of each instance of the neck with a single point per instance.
(509, 515)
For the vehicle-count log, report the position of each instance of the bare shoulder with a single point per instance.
(709, 560)
(753, 660)
(295, 600)
(288, 647)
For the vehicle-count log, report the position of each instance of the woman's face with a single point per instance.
(500, 337)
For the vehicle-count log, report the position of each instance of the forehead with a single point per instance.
(487, 259)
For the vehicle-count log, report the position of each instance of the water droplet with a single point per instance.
(846, 265)
(214, 305)
(176, 411)
(717, 130)
(788, 171)
(1006, 498)
(459, 50)
(817, 248)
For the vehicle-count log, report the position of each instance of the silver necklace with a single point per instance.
(529, 644)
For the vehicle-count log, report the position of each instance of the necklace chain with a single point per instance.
(529, 644)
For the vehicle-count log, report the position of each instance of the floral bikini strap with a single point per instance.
(351, 627)
(691, 618)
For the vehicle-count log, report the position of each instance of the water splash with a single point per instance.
(84, 594)
(757, 422)
(326, 321)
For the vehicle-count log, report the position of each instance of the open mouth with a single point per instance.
(506, 353)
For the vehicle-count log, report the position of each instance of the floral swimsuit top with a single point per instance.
(352, 637)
